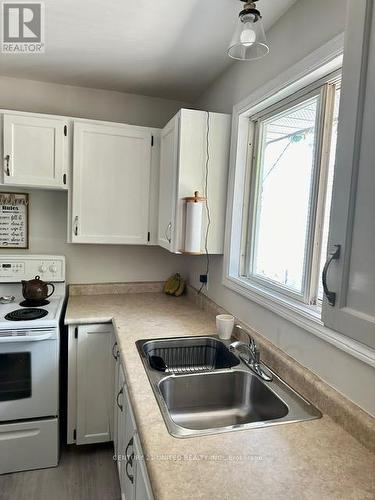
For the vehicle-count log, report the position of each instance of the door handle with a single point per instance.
(115, 354)
(7, 160)
(31, 338)
(130, 476)
(117, 398)
(333, 255)
(168, 232)
(129, 459)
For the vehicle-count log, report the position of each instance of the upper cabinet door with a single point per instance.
(168, 183)
(111, 183)
(35, 151)
(194, 149)
(351, 273)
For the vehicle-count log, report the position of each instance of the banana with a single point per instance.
(172, 284)
(181, 288)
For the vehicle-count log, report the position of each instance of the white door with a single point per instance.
(35, 151)
(29, 375)
(111, 183)
(117, 395)
(142, 484)
(95, 384)
(128, 465)
(120, 420)
(351, 275)
(168, 183)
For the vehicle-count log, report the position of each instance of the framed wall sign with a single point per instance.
(14, 220)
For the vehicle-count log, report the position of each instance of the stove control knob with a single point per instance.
(42, 268)
(53, 269)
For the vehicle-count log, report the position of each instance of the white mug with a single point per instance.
(224, 326)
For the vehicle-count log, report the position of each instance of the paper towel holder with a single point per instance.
(193, 226)
(195, 199)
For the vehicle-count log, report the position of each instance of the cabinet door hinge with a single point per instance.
(65, 130)
(64, 179)
(152, 140)
(148, 236)
(76, 332)
(75, 434)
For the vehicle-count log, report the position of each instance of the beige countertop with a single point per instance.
(308, 460)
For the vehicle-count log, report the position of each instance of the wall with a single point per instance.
(311, 24)
(96, 104)
(48, 209)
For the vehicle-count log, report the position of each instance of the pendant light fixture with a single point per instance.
(249, 40)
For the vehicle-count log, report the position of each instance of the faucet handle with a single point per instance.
(252, 343)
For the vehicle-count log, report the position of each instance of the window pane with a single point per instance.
(327, 209)
(282, 200)
(15, 376)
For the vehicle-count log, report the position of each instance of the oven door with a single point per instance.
(29, 374)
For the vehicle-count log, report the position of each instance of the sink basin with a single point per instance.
(219, 400)
(203, 388)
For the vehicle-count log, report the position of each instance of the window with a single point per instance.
(15, 376)
(291, 162)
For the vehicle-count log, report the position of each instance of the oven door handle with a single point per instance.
(26, 338)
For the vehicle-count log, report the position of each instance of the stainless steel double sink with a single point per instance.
(202, 388)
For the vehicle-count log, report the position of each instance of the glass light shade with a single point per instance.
(249, 40)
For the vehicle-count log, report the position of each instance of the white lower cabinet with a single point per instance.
(91, 371)
(132, 470)
(99, 407)
(142, 484)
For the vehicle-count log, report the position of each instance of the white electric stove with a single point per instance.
(29, 364)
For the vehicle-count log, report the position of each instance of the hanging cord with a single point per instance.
(206, 196)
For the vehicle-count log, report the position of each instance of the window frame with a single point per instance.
(317, 64)
(324, 91)
(289, 84)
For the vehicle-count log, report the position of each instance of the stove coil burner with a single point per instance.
(34, 303)
(26, 314)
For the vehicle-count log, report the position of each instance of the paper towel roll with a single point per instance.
(193, 232)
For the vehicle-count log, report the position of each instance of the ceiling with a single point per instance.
(162, 48)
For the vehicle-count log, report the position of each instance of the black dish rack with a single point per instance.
(189, 355)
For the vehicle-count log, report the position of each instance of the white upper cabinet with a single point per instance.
(167, 183)
(111, 183)
(192, 142)
(35, 151)
(351, 275)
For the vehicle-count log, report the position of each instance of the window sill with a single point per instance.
(301, 315)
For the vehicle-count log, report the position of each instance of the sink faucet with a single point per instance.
(253, 358)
